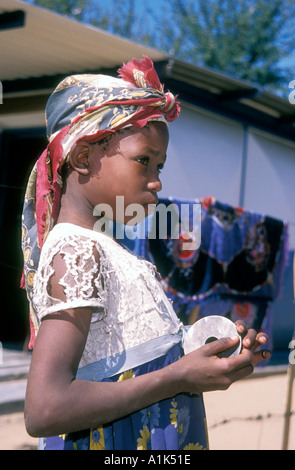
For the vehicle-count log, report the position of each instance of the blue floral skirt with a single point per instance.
(177, 423)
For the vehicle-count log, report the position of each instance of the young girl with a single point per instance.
(108, 369)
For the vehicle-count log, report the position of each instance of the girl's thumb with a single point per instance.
(223, 347)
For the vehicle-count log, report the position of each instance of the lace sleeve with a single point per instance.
(81, 282)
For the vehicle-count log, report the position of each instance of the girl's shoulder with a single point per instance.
(77, 243)
(70, 238)
(68, 232)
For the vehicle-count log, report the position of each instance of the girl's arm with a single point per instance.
(58, 403)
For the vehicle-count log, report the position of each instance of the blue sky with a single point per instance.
(159, 5)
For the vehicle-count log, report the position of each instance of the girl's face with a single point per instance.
(129, 166)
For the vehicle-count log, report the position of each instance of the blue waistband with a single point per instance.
(130, 358)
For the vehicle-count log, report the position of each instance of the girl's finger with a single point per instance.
(249, 339)
(253, 341)
(260, 356)
(260, 340)
(241, 327)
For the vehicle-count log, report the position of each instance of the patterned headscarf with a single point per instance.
(88, 107)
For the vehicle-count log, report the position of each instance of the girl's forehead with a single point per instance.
(151, 132)
(154, 133)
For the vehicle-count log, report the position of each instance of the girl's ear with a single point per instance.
(79, 158)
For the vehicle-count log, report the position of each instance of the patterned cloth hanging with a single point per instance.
(236, 271)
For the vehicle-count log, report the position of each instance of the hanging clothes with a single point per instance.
(236, 271)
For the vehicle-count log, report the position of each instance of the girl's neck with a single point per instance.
(75, 209)
(75, 219)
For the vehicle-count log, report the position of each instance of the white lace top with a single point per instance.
(129, 304)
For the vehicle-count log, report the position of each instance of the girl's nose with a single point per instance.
(155, 184)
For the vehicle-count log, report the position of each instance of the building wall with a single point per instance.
(204, 157)
(270, 171)
(209, 155)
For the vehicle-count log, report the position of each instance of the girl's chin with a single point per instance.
(134, 214)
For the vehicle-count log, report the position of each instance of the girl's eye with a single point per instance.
(143, 160)
(146, 160)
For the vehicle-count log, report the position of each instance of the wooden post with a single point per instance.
(291, 376)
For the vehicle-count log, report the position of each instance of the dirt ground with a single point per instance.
(13, 434)
(248, 416)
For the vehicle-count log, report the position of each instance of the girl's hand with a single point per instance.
(253, 340)
(202, 370)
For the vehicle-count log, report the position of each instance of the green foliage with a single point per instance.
(71, 8)
(246, 39)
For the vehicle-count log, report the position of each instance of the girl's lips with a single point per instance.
(150, 208)
(153, 201)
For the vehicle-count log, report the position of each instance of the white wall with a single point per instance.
(270, 178)
(204, 157)
(207, 155)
